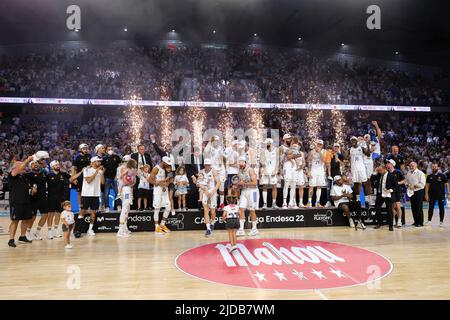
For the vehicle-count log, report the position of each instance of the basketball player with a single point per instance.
(358, 169)
(269, 170)
(128, 176)
(299, 157)
(215, 153)
(161, 180)
(209, 185)
(290, 180)
(368, 164)
(232, 163)
(316, 161)
(249, 198)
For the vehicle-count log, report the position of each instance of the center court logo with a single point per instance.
(284, 264)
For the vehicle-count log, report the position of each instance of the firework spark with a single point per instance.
(225, 121)
(135, 115)
(313, 124)
(256, 122)
(165, 115)
(339, 124)
(196, 118)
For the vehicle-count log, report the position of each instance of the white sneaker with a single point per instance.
(91, 233)
(233, 248)
(50, 234)
(68, 246)
(127, 230)
(56, 233)
(352, 224)
(274, 206)
(37, 236)
(285, 206)
(122, 234)
(173, 212)
(106, 210)
(28, 235)
(293, 206)
(441, 224)
(253, 232)
(399, 224)
(264, 207)
(301, 205)
(328, 204)
(240, 233)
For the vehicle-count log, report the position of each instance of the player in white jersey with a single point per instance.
(269, 170)
(232, 163)
(161, 180)
(290, 180)
(300, 164)
(316, 173)
(368, 164)
(249, 198)
(283, 149)
(208, 184)
(358, 169)
(127, 175)
(215, 153)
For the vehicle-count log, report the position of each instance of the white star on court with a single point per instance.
(299, 274)
(318, 274)
(279, 275)
(338, 273)
(261, 277)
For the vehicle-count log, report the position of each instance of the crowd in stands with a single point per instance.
(233, 74)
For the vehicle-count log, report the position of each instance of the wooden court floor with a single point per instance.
(142, 266)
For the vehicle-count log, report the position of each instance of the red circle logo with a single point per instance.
(284, 264)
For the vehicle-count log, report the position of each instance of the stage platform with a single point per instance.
(193, 219)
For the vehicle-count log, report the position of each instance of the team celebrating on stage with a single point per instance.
(228, 179)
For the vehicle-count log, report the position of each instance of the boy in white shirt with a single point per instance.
(68, 222)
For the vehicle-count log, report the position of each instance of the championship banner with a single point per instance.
(194, 220)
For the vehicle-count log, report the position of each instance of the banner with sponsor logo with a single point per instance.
(209, 104)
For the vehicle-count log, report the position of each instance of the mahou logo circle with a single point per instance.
(284, 264)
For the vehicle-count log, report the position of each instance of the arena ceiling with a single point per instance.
(417, 29)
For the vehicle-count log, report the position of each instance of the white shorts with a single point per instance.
(369, 169)
(300, 178)
(249, 199)
(359, 174)
(317, 180)
(209, 201)
(268, 180)
(222, 174)
(161, 198)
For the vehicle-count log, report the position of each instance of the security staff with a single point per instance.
(435, 191)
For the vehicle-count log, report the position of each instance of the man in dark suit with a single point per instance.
(142, 158)
(192, 169)
(387, 184)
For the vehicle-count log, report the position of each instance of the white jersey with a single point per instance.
(160, 194)
(216, 156)
(270, 161)
(368, 159)
(290, 170)
(232, 211)
(356, 157)
(161, 175)
(208, 179)
(232, 157)
(317, 165)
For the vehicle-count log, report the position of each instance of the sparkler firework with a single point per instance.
(135, 117)
(339, 124)
(313, 124)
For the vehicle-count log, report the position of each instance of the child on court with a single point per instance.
(231, 218)
(143, 187)
(181, 182)
(68, 222)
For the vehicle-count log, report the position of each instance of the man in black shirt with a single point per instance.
(111, 162)
(19, 201)
(58, 192)
(386, 185)
(435, 191)
(397, 157)
(39, 200)
(396, 196)
(82, 160)
(336, 160)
